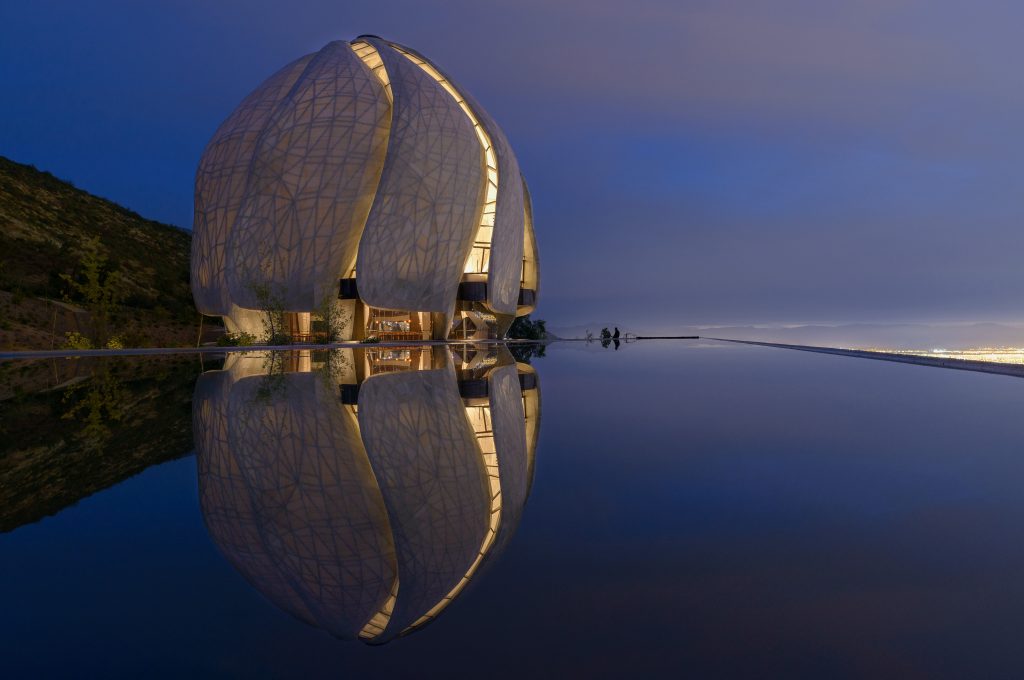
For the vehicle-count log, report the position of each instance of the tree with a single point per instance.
(525, 329)
(97, 403)
(524, 353)
(270, 302)
(330, 319)
(101, 289)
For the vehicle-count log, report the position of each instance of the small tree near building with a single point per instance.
(525, 329)
(270, 302)
(98, 288)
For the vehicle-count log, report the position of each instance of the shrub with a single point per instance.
(98, 285)
(329, 320)
(75, 340)
(242, 339)
(270, 302)
(279, 339)
(525, 329)
(524, 353)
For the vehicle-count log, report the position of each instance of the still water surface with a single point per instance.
(671, 508)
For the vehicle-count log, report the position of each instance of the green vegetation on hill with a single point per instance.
(70, 428)
(45, 226)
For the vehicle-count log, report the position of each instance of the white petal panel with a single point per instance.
(424, 218)
(225, 498)
(292, 502)
(506, 267)
(531, 256)
(313, 179)
(358, 156)
(432, 477)
(506, 234)
(506, 398)
(506, 263)
(367, 529)
(220, 184)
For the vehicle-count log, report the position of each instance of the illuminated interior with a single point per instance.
(391, 325)
(480, 256)
(480, 419)
(394, 360)
(353, 190)
(530, 276)
(376, 625)
(332, 430)
(474, 323)
(464, 328)
(531, 410)
(531, 271)
(300, 326)
(369, 55)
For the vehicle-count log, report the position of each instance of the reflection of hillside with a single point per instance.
(72, 427)
(361, 490)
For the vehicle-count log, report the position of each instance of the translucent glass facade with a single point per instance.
(363, 162)
(361, 490)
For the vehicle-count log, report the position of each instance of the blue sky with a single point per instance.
(690, 162)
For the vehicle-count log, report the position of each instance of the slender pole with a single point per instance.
(199, 337)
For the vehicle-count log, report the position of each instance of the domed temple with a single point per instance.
(362, 179)
(360, 490)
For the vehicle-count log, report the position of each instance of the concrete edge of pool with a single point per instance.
(1013, 370)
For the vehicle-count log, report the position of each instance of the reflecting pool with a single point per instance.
(682, 508)
(361, 490)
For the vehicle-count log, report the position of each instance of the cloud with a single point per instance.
(714, 160)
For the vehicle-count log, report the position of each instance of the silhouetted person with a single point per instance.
(616, 334)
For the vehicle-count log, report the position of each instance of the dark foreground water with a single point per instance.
(689, 509)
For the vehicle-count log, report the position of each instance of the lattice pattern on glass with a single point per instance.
(311, 184)
(479, 256)
(361, 153)
(367, 522)
(220, 184)
(423, 220)
(498, 253)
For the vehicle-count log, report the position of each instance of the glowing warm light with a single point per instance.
(531, 409)
(480, 257)
(369, 55)
(531, 275)
(997, 355)
(480, 419)
(376, 625)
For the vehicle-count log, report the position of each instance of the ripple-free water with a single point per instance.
(670, 508)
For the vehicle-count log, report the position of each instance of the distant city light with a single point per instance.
(999, 355)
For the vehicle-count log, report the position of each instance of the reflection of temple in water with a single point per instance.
(360, 490)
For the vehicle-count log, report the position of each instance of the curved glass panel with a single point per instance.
(360, 490)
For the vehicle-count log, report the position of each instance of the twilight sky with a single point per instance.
(690, 162)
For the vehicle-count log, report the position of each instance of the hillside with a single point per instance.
(70, 428)
(43, 223)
